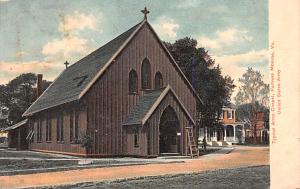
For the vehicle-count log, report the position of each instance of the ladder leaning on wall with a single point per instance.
(193, 148)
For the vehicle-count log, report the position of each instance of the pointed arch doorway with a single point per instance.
(169, 140)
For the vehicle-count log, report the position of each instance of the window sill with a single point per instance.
(49, 141)
(74, 142)
(60, 142)
(133, 93)
(136, 146)
(39, 141)
(148, 89)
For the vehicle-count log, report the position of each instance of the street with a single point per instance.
(241, 156)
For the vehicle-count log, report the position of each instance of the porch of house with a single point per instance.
(225, 135)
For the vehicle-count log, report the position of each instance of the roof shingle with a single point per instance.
(142, 107)
(73, 80)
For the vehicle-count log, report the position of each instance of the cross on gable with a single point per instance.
(145, 12)
(66, 63)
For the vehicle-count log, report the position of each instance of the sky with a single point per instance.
(39, 36)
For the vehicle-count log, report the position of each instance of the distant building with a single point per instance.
(230, 130)
(259, 131)
(17, 134)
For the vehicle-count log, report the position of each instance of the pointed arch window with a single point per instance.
(133, 82)
(158, 80)
(146, 73)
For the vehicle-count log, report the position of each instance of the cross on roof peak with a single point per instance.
(145, 12)
(66, 63)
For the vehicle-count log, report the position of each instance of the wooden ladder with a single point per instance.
(194, 151)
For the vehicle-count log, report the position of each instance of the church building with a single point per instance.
(127, 98)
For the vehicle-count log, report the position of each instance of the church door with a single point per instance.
(169, 141)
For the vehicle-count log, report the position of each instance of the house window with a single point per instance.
(146, 72)
(158, 80)
(136, 137)
(48, 129)
(74, 126)
(60, 128)
(229, 114)
(221, 115)
(39, 131)
(133, 82)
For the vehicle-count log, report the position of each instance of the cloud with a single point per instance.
(9, 70)
(70, 46)
(236, 64)
(166, 27)
(77, 21)
(244, 59)
(229, 37)
(2, 1)
(65, 47)
(188, 3)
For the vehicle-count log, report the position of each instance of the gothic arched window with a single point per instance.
(146, 73)
(158, 80)
(133, 81)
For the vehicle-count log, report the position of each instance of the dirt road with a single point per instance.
(242, 156)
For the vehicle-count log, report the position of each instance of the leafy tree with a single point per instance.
(17, 96)
(252, 97)
(253, 89)
(213, 88)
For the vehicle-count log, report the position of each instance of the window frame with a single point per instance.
(133, 85)
(60, 128)
(158, 80)
(48, 129)
(136, 138)
(144, 65)
(39, 136)
(74, 129)
(231, 117)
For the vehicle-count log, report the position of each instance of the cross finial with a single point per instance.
(145, 12)
(66, 63)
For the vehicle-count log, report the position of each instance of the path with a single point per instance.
(242, 156)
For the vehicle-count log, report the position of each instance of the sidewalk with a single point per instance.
(240, 157)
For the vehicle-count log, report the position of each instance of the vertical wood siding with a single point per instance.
(149, 135)
(109, 102)
(58, 147)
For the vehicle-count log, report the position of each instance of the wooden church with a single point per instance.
(129, 96)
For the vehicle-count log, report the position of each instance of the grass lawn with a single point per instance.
(11, 164)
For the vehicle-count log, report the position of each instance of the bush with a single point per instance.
(86, 141)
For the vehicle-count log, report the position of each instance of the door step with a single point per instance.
(169, 154)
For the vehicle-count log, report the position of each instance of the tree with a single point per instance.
(17, 96)
(252, 97)
(213, 88)
(252, 89)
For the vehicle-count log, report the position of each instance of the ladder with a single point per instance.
(194, 151)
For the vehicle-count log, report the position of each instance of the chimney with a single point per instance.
(39, 85)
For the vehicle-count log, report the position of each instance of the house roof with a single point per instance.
(77, 79)
(148, 103)
(230, 106)
(17, 125)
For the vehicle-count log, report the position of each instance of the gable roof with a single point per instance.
(148, 103)
(73, 83)
(17, 125)
(76, 78)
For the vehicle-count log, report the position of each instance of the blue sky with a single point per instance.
(38, 36)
